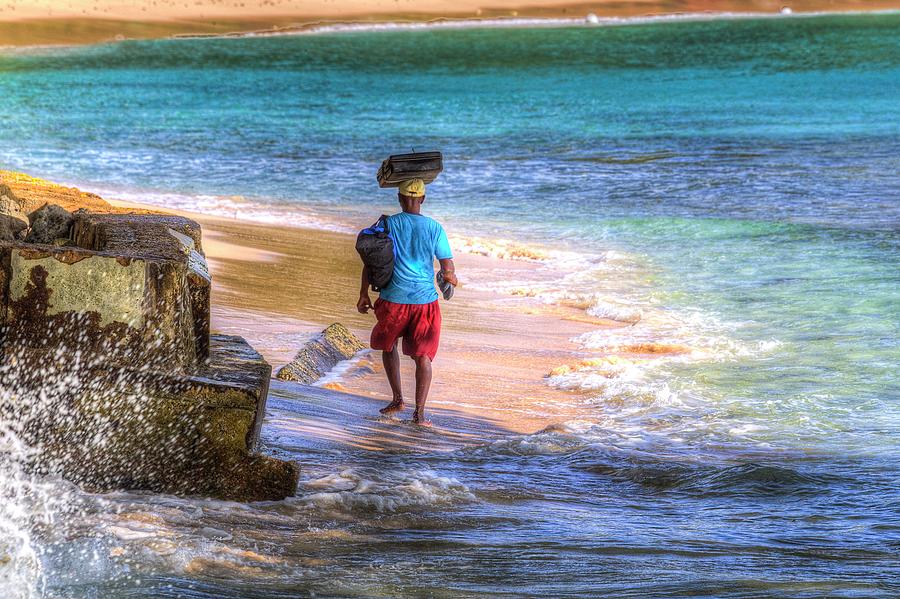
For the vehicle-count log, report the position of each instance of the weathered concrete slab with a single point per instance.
(119, 427)
(107, 365)
(118, 307)
(156, 238)
(316, 358)
(159, 236)
(132, 287)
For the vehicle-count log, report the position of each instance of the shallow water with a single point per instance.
(727, 186)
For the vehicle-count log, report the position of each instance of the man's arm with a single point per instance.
(442, 248)
(364, 303)
(449, 271)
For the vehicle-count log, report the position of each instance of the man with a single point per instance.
(408, 306)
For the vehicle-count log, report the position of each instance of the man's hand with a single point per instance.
(448, 271)
(364, 304)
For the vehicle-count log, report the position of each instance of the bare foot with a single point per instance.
(420, 419)
(393, 407)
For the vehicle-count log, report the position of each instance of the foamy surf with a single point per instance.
(358, 365)
(389, 491)
(231, 207)
(589, 19)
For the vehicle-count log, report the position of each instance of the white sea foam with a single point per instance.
(697, 338)
(597, 374)
(615, 311)
(558, 277)
(231, 207)
(588, 20)
(504, 249)
(353, 490)
(342, 368)
(551, 441)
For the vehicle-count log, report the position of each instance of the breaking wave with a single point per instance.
(26, 504)
(749, 479)
(384, 492)
(658, 462)
(232, 207)
(588, 20)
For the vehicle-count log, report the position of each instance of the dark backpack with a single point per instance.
(376, 248)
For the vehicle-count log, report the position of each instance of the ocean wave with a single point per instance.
(665, 332)
(656, 460)
(562, 278)
(36, 507)
(27, 502)
(353, 491)
(750, 479)
(553, 440)
(634, 394)
(357, 365)
(617, 312)
(233, 207)
(629, 370)
(588, 20)
(502, 249)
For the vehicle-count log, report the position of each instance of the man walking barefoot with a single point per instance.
(408, 306)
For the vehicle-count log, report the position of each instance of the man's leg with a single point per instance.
(391, 361)
(423, 384)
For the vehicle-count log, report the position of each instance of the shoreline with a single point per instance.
(502, 353)
(493, 355)
(589, 20)
(36, 32)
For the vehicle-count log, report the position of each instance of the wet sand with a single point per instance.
(492, 361)
(278, 286)
(36, 22)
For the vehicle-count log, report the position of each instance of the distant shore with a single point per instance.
(22, 26)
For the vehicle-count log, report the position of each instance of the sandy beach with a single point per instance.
(38, 22)
(278, 286)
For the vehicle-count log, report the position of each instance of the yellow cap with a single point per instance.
(414, 188)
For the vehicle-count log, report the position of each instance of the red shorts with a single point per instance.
(418, 324)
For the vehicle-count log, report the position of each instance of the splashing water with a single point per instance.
(35, 506)
(44, 434)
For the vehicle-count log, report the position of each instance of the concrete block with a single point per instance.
(107, 366)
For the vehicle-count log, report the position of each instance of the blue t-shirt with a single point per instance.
(418, 240)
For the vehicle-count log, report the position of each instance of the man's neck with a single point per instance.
(416, 211)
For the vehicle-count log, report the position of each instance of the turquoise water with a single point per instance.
(745, 174)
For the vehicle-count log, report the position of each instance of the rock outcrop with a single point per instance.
(10, 228)
(49, 224)
(13, 219)
(108, 365)
(32, 193)
(317, 357)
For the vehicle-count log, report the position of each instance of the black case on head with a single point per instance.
(403, 167)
